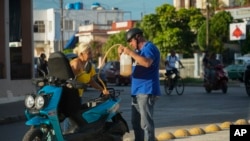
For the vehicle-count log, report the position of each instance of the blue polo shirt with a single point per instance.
(146, 80)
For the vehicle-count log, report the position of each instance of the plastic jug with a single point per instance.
(125, 65)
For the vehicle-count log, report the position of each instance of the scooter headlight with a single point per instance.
(29, 101)
(39, 102)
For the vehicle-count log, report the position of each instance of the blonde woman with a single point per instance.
(84, 72)
(83, 69)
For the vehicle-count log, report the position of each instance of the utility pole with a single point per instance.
(207, 25)
(62, 27)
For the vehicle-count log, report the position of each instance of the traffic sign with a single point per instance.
(237, 31)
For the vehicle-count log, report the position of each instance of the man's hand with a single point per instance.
(120, 49)
(123, 49)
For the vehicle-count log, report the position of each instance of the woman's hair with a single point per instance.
(82, 47)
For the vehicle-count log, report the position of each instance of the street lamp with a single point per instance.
(62, 39)
(207, 25)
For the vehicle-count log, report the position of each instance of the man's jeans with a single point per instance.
(142, 117)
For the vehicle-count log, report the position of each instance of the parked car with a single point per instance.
(111, 70)
(236, 71)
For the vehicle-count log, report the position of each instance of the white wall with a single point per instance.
(78, 16)
(52, 37)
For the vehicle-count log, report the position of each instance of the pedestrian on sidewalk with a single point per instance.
(42, 65)
(145, 86)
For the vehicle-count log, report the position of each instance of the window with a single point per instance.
(182, 3)
(68, 25)
(109, 22)
(39, 27)
(86, 22)
(193, 3)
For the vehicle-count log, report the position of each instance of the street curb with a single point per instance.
(12, 119)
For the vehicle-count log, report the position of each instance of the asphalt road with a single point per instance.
(194, 108)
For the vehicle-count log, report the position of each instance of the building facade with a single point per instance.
(47, 27)
(15, 63)
(201, 4)
(26, 33)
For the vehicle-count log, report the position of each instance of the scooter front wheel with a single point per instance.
(33, 134)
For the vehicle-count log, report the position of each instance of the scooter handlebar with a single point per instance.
(113, 93)
(75, 84)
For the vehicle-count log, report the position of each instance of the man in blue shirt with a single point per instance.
(145, 83)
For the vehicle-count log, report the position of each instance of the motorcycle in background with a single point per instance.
(57, 98)
(220, 82)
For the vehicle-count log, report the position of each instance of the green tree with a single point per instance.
(201, 37)
(169, 39)
(218, 31)
(96, 47)
(166, 16)
(150, 26)
(111, 46)
(171, 29)
(196, 19)
(168, 29)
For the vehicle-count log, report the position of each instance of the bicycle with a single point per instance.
(175, 81)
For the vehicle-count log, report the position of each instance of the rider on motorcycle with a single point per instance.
(205, 65)
(212, 63)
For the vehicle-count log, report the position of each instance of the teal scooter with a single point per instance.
(57, 98)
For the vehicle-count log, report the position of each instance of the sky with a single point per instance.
(137, 7)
